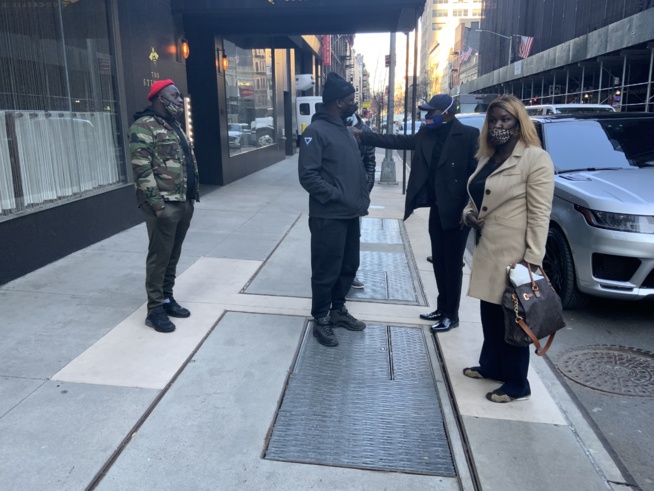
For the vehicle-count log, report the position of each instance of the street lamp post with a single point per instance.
(510, 38)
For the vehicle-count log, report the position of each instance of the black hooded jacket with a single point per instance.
(331, 170)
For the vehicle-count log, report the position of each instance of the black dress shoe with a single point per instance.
(430, 259)
(444, 324)
(432, 316)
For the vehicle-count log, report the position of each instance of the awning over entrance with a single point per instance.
(294, 17)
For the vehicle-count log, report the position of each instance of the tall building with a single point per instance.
(362, 85)
(438, 29)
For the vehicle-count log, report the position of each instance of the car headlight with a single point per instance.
(618, 221)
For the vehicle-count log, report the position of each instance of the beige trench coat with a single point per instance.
(516, 210)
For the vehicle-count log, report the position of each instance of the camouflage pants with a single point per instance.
(166, 234)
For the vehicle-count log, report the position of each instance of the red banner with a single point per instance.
(246, 91)
(327, 50)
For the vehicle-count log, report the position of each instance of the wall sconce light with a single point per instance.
(185, 48)
(221, 61)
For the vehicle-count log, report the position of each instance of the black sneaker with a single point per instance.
(159, 321)
(341, 318)
(322, 330)
(173, 309)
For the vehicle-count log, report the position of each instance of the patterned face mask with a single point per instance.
(499, 136)
(173, 109)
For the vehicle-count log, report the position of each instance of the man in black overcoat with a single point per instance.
(443, 159)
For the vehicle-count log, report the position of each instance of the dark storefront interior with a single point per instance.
(79, 69)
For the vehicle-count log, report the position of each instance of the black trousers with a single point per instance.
(447, 248)
(499, 360)
(166, 234)
(334, 262)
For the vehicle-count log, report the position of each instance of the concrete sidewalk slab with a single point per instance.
(42, 332)
(530, 456)
(210, 429)
(62, 434)
(461, 348)
(135, 355)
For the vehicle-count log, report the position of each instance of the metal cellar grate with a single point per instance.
(369, 403)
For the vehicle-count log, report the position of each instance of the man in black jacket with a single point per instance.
(369, 163)
(443, 159)
(331, 170)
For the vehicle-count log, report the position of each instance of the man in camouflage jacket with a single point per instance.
(166, 179)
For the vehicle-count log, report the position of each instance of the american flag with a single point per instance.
(463, 57)
(525, 46)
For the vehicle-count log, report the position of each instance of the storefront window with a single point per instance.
(249, 84)
(58, 104)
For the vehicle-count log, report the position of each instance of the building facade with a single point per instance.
(438, 30)
(582, 51)
(76, 71)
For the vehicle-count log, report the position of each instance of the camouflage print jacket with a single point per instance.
(158, 161)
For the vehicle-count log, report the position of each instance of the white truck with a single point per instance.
(305, 108)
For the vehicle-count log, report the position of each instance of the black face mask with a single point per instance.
(349, 110)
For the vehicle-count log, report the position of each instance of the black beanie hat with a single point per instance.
(336, 87)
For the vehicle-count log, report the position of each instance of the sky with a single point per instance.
(374, 47)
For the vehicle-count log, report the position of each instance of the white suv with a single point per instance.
(601, 236)
(546, 109)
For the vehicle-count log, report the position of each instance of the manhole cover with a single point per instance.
(614, 369)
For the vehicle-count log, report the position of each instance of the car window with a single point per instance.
(305, 109)
(234, 127)
(474, 121)
(600, 144)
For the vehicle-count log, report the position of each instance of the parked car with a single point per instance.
(234, 132)
(601, 236)
(240, 135)
(547, 109)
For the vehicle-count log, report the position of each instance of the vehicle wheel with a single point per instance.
(264, 140)
(559, 266)
(264, 137)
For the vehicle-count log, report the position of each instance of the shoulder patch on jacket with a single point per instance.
(307, 139)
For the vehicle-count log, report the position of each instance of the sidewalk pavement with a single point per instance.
(92, 398)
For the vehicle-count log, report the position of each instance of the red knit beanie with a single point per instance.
(158, 86)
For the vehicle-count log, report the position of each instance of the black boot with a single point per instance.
(341, 318)
(322, 330)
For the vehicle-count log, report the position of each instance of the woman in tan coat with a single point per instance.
(510, 202)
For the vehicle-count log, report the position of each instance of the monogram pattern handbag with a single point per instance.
(532, 311)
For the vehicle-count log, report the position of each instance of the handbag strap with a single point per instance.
(539, 351)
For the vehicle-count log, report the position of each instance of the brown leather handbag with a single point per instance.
(532, 311)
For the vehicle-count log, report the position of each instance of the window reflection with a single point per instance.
(249, 85)
(60, 136)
